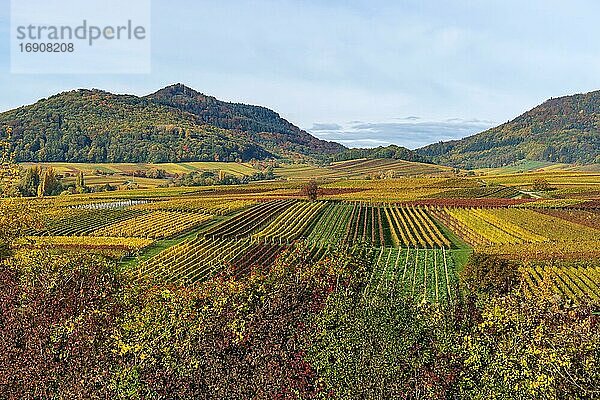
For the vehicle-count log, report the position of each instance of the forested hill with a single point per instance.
(260, 124)
(172, 125)
(392, 152)
(564, 129)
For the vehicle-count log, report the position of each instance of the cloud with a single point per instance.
(409, 118)
(411, 133)
(325, 127)
(470, 121)
(362, 142)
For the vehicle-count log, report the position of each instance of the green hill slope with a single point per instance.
(175, 124)
(564, 129)
(255, 123)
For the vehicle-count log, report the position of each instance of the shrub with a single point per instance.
(489, 274)
(57, 315)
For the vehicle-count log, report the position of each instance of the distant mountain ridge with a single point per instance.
(564, 129)
(174, 124)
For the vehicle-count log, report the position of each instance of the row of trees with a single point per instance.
(28, 182)
(392, 152)
(36, 181)
(209, 178)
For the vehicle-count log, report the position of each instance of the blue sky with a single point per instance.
(360, 72)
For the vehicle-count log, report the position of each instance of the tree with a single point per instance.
(155, 173)
(17, 216)
(311, 190)
(541, 184)
(28, 186)
(49, 185)
(80, 183)
(9, 171)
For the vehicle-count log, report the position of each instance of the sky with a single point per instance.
(363, 73)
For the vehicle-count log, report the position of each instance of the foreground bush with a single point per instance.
(531, 348)
(386, 348)
(488, 274)
(503, 345)
(57, 315)
(228, 339)
(74, 326)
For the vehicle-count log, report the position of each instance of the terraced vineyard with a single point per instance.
(424, 274)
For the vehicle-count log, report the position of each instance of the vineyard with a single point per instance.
(216, 205)
(582, 217)
(250, 221)
(423, 274)
(67, 222)
(366, 225)
(409, 244)
(559, 250)
(484, 226)
(331, 227)
(578, 284)
(415, 228)
(555, 229)
(155, 225)
(394, 168)
(110, 246)
(197, 259)
(429, 270)
(193, 260)
(291, 223)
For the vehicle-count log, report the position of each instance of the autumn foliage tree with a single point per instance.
(9, 171)
(311, 190)
(541, 184)
(49, 184)
(30, 180)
